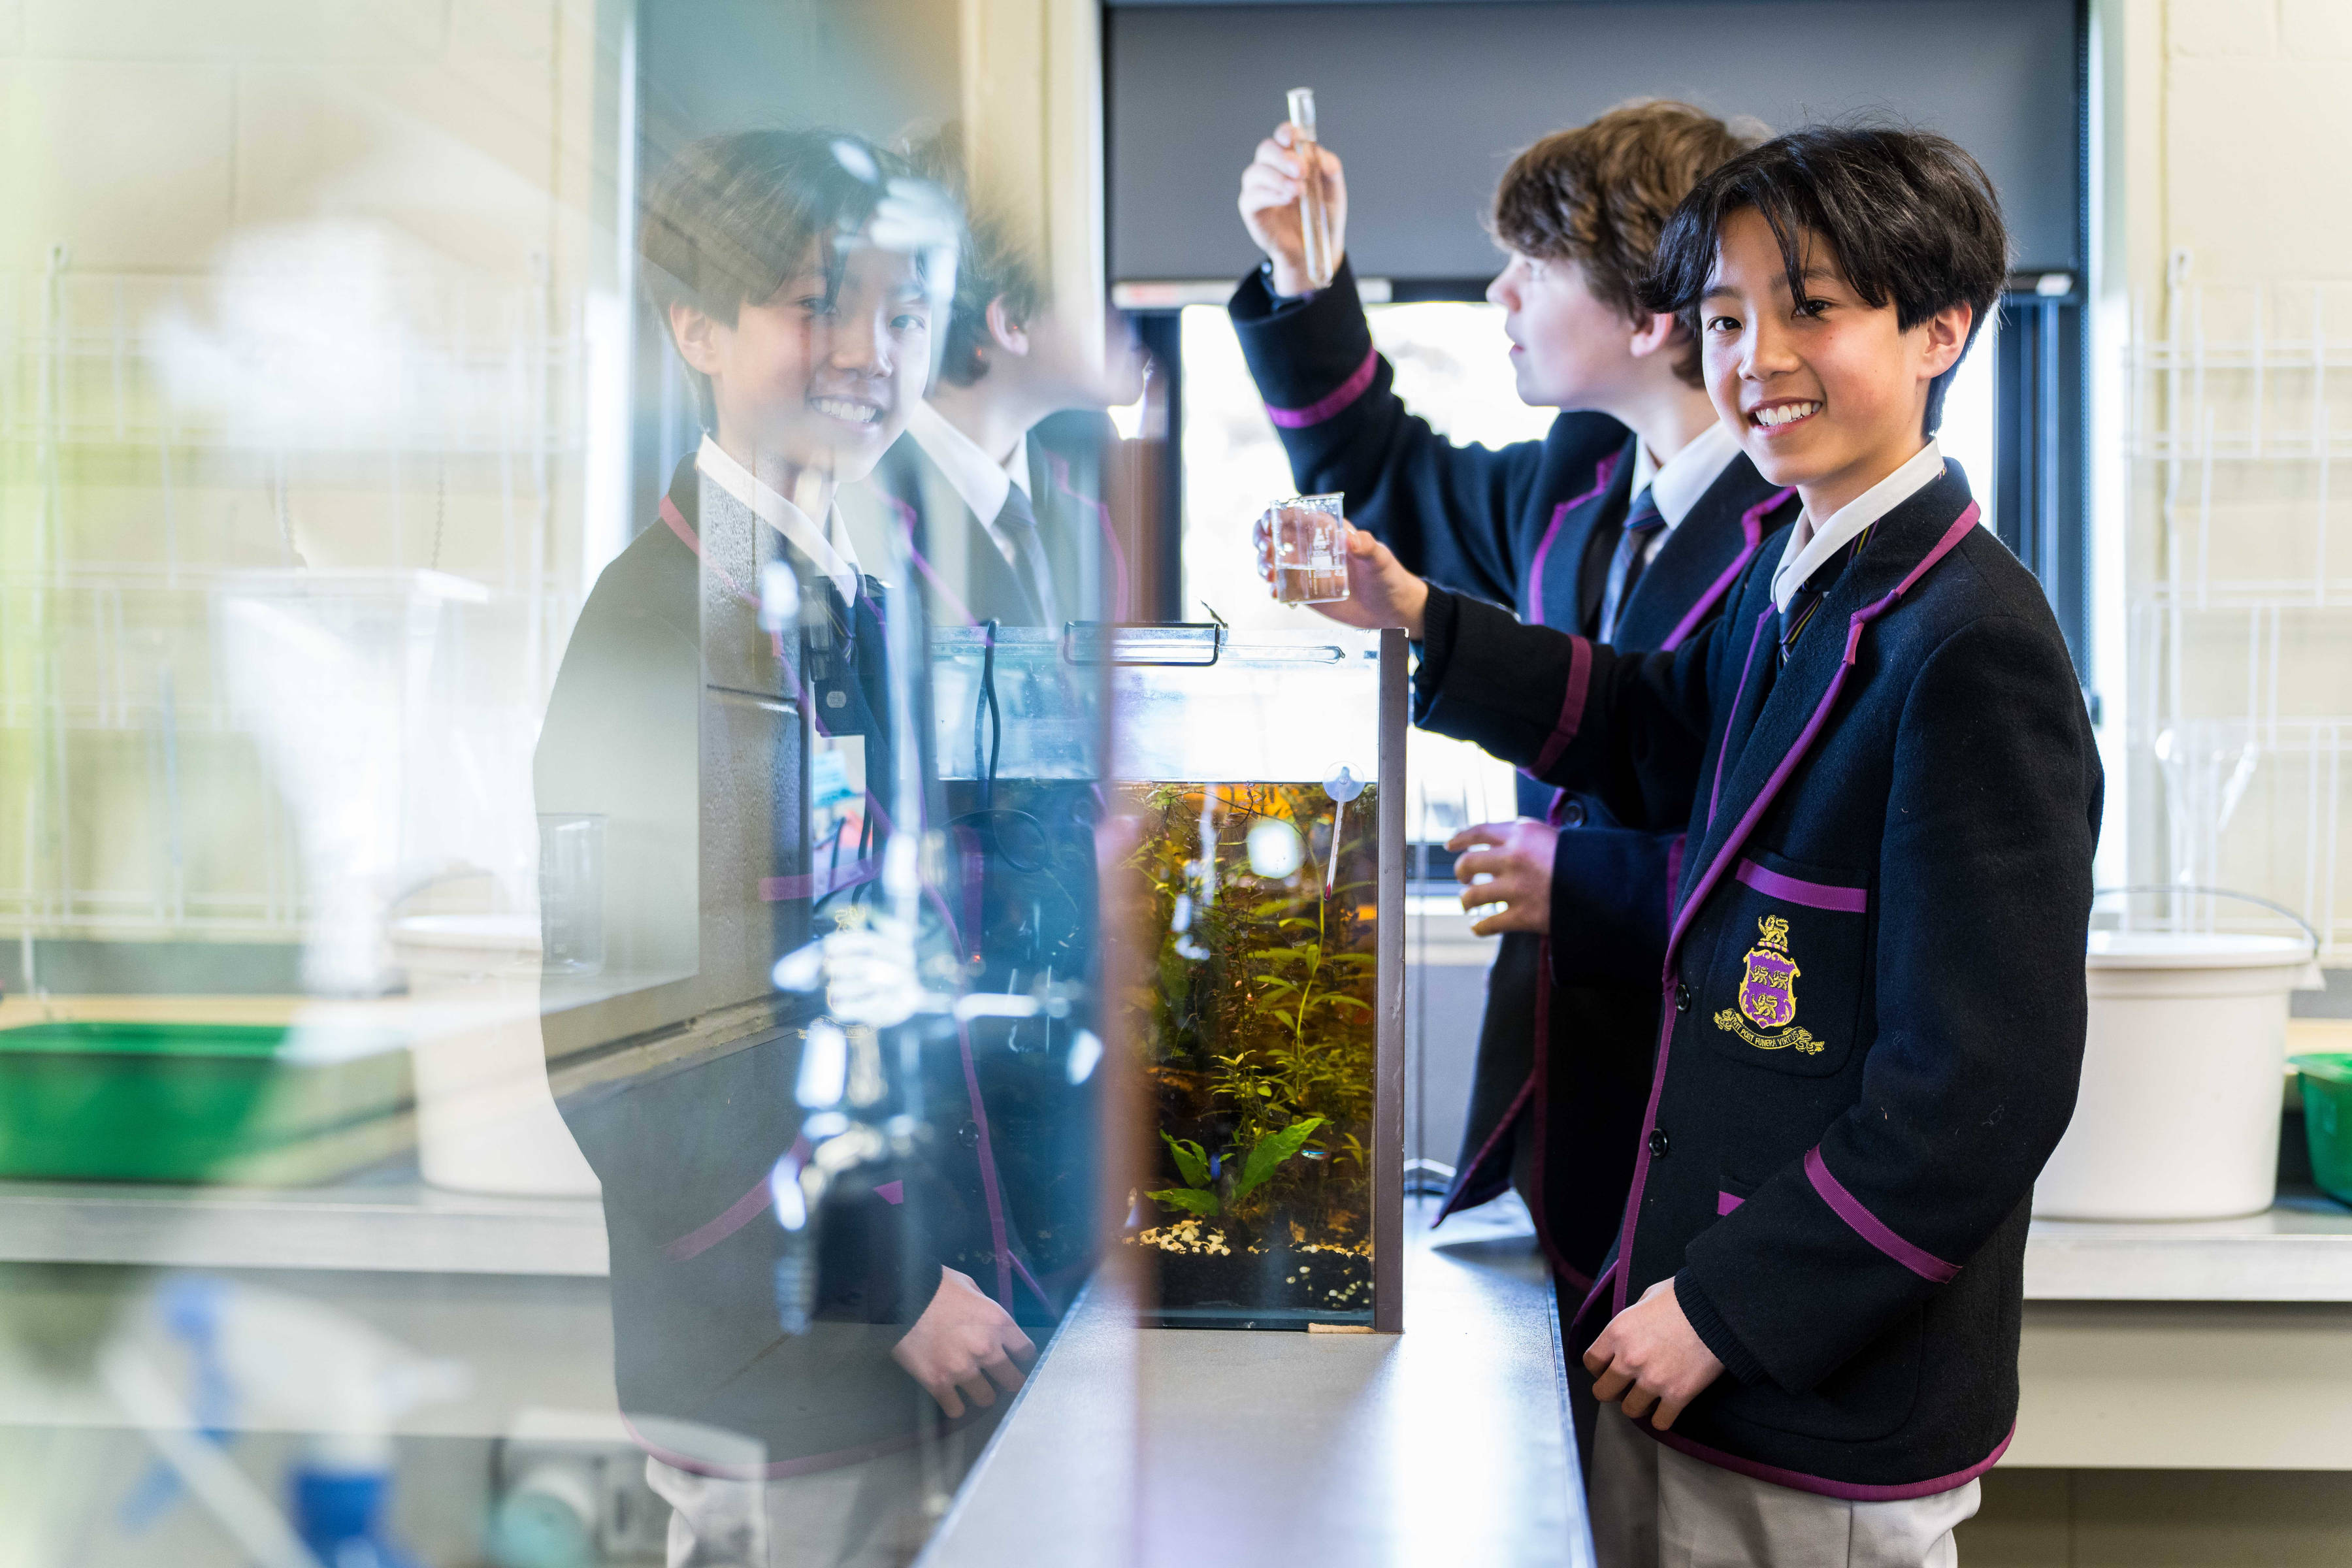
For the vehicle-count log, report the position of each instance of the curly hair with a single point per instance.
(1600, 196)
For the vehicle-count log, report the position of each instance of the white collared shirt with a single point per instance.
(1676, 484)
(1810, 544)
(983, 482)
(829, 547)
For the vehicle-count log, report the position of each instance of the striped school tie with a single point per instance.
(1642, 520)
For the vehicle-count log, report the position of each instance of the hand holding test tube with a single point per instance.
(1294, 202)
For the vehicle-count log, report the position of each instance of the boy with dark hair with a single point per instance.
(1628, 520)
(792, 271)
(1873, 972)
(1002, 466)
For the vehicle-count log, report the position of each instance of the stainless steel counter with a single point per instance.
(1446, 1444)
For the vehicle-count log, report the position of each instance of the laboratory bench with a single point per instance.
(2217, 1344)
(2203, 1344)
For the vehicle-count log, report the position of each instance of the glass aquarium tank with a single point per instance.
(1260, 777)
(1264, 774)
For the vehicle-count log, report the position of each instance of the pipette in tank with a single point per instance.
(1314, 213)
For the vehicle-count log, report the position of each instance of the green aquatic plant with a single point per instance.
(1199, 1194)
(1259, 1012)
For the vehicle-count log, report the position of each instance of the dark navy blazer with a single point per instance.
(677, 718)
(1873, 972)
(1530, 525)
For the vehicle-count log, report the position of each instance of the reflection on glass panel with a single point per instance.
(1453, 370)
(532, 1032)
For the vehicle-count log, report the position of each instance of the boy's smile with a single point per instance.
(1827, 393)
(820, 376)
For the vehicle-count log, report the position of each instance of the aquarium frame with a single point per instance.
(1388, 1052)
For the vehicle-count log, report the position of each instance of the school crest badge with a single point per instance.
(1768, 995)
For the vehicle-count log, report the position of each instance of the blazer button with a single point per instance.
(1682, 997)
(1572, 812)
(1659, 1144)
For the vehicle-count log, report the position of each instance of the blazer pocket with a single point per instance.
(1784, 989)
(1869, 1398)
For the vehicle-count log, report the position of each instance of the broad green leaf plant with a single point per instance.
(1260, 1018)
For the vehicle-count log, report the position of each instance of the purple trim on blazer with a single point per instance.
(1649, 1120)
(987, 1150)
(939, 583)
(1059, 468)
(817, 884)
(1324, 408)
(1571, 704)
(1539, 1079)
(1462, 1178)
(1675, 871)
(1531, 596)
(1030, 1280)
(1724, 1202)
(1797, 891)
(1722, 753)
(988, 1184)
(1731, 845)
(740, 1213)
(1852, 1491)
(1600, 1285)
(1873, 1230)
(1751, 523)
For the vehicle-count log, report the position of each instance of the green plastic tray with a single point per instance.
(2327, 1120)
(183, 1102)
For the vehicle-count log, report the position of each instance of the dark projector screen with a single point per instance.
(1427, 102)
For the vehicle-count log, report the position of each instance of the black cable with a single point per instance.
(987, 776)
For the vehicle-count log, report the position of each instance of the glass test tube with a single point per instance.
(1313, 215)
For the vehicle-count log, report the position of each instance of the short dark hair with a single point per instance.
(993, 265)
(1911, 219)
(733, 217)
(1599, 194)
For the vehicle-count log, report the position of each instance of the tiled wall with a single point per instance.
(2230, 258)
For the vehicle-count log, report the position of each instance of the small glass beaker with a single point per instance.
(572, 892)
(1310, 550)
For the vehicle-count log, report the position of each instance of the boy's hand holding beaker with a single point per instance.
(1380, 591)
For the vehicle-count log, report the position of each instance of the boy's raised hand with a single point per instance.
(1649, 1356)
(1269, 205)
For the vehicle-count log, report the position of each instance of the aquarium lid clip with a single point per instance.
(1196, 643)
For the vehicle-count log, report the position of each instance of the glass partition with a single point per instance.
(529, 1034)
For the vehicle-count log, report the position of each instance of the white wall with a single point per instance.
(2226, 376)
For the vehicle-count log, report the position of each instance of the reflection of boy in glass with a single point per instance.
(1001, 471)
(684, 721)
(997, 489)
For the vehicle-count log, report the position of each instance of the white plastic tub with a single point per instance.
(2183, 1071)
(485, 1120)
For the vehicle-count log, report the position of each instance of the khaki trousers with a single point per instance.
(1654, 1507)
